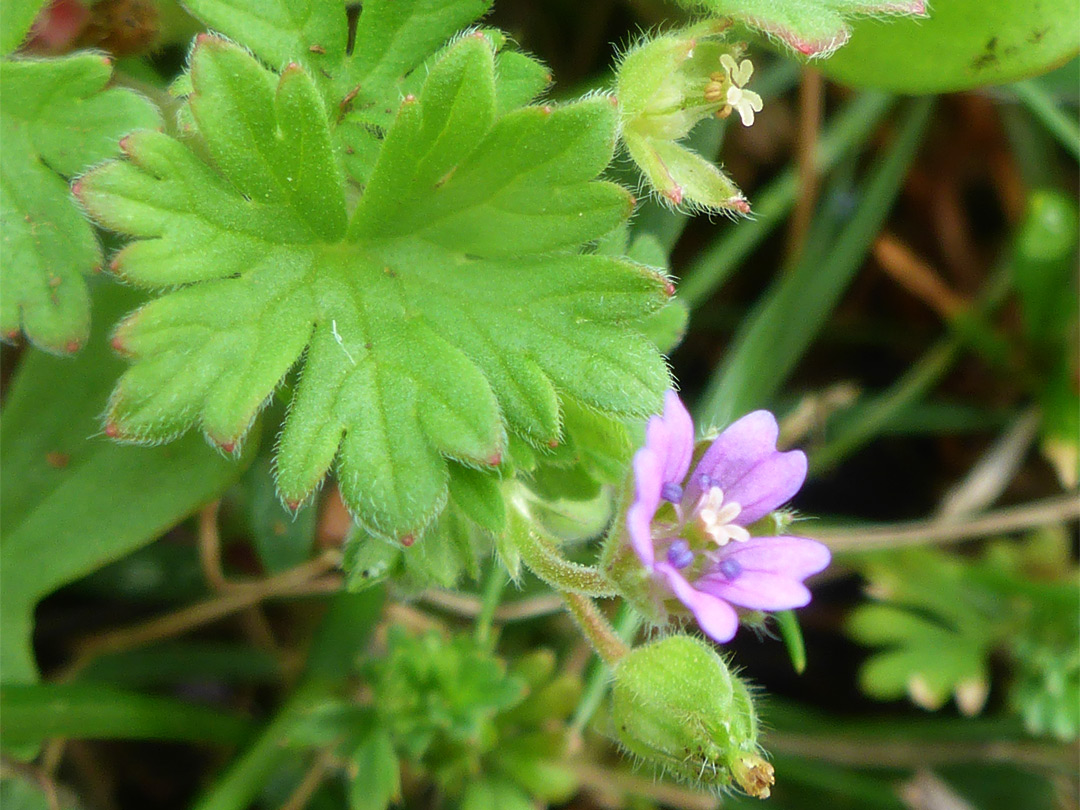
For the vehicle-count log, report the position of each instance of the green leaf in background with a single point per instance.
(282, 538)
(814, 28)
(376, 778)
(24, 793)
(963, 44)
(73, 501)
(447, 312)
(487, 793)
(57, 120)
(33, 713)
(18, 16)
(1044, 266)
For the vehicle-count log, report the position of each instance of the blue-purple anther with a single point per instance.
(671, 492)
(729, 568)
(679, 554)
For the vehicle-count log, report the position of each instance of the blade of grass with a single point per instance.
(851, 127)
(182, 661)
(1041, 105)
(876, 415)
(783, 324)
(36, 712)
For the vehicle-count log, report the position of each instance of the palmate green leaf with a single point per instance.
(452, 308)
(814, 28)
(361, 88)
(57, 119)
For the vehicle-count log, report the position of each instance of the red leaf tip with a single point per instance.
(740, 205)
(112, 431)
(408, 540)
(495, 459)
(675, 195)
(72, 346)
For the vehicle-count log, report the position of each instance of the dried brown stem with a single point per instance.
(1059, 509)
(469, 606)
(917, 276)
(811, 91)
(309, 578)
(610, 788)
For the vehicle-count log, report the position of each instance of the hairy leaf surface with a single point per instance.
(57, 119)
(448, 309)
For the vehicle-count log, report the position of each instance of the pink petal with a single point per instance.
(647, 484)
(745, 464)
(771, 571)
(681, 431)
(792, 557)
(757, 590)
(715, 616)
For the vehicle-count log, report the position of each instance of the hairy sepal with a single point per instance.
(812, 28)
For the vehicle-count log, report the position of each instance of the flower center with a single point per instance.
(716, 518)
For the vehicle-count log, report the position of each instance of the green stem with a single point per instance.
(493, 588)
(1041, 105)
(596, 628)
(548, 563)
(626, 624)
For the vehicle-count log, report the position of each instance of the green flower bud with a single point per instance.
(665, 86)
(676, 705)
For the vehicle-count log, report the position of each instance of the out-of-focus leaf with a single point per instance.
(376, 779)
(18, 16)
(73, 500)
(1044, 265)
(58, 119)
(33, 713)
(962, 44)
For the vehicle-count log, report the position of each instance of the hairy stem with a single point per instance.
(548, 563)
(596, 628)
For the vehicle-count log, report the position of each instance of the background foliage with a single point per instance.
(193, 624)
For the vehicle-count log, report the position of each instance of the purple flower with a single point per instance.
(692, 532)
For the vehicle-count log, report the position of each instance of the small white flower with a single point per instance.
(745, 102)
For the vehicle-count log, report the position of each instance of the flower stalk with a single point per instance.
(596, 628)
(547, 562)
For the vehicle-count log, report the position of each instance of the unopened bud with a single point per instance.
(676, 705)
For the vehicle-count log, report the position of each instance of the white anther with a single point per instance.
(717, 518)
(745, 102)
